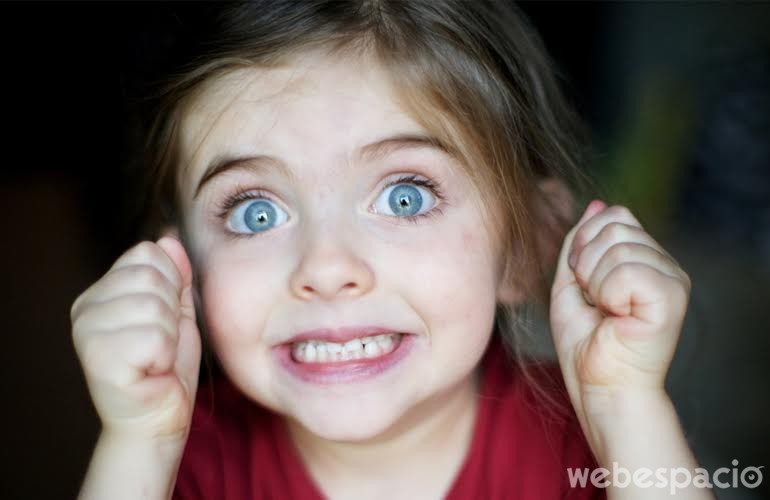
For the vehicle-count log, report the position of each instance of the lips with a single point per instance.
(344, 372)
(357, 370)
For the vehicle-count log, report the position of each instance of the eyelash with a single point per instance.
(233, 201)
(431, 186)
(229, 203)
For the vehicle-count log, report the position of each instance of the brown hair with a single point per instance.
(475, 74)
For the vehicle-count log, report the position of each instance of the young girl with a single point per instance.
(358, 199)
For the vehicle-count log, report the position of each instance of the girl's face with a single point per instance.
(313, 201)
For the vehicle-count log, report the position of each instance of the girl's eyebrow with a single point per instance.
(370, 152)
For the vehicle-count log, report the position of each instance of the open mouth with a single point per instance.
(366, 348)
(355, 360)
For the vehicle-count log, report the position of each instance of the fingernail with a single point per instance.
(599, 205)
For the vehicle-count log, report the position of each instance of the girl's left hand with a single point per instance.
(617, 306)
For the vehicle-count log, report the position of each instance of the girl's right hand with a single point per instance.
(135, 335)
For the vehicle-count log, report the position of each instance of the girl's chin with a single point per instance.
(347, 426)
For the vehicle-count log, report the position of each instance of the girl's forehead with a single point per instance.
(311, 102)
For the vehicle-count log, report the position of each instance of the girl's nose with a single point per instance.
(330, 269)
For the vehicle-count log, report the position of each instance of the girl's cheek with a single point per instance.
(237, 295)
(413, 237)
(251, 267)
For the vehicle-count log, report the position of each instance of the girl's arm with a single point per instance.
(617, 307)
(135, 336)
(640, 432)
(125, 467)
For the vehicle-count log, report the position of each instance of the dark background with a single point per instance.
(677, 96)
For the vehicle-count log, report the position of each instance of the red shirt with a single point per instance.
(521, 446)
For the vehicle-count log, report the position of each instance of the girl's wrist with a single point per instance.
(605, 403)
(128, 466)
(618, 417)
(163, 446)
(638, 430)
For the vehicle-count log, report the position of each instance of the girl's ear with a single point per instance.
(552, 207)
(553, 213)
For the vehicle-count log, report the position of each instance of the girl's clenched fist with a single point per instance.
(135, 335)
(617, 308)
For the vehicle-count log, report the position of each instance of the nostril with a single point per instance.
(308, 291)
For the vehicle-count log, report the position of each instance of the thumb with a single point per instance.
(176, 252)
(189, 347)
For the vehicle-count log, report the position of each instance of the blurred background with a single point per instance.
(678, 99)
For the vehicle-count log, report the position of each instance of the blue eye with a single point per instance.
(256, 216)
(405, 200)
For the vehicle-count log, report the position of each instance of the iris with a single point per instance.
(405, 200)
(259, 216)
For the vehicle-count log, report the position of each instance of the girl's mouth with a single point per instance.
(356, 360)
(318, 351)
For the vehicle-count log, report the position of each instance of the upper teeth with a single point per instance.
(365, 347)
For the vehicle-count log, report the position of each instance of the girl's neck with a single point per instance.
(414, 453)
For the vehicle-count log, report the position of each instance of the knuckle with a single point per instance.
(75, 308)
(679, 294)
(581, 269)
(620, 252)
(625, 272)
(622, 212)
(160, 345)
(687, 281)
(85, 299)
(685, 285)
(153, 305)
(614, 231)
(79, 323)
(145, 250)
(578, 241)
(76, 328)
(92, 354)
(150, 277)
